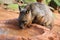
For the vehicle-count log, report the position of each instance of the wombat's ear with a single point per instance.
(19, 8)
(27, 7)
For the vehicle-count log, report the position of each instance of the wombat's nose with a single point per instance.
(21, 25)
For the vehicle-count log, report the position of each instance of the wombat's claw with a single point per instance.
(50, 27)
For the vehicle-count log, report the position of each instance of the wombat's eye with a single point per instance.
(27, 12)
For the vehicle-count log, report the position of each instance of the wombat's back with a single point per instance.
(40, 8)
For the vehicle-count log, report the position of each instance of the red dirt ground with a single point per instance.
(7, 15)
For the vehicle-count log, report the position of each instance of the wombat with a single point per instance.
(35, 13)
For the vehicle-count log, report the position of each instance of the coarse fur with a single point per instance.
(36, 13)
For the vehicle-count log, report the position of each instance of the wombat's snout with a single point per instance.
(22, 24)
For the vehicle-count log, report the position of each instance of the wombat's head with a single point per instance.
(24, 17)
